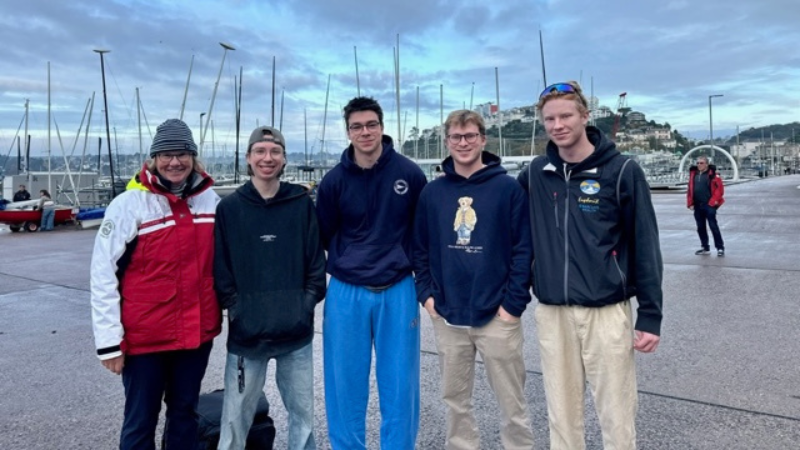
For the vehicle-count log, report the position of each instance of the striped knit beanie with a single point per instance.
(173, 135)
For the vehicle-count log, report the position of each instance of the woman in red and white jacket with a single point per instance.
(154, 310)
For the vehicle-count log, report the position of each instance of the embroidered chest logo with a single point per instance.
(590, 187)
(465, 221)
(268, 237)
(401, 187)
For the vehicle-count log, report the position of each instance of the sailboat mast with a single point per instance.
(49, 177)
(280, 126)
(541, 51)
(185, 93)
(226, 47)
(139, 116)
(416, 138)
(273, 92)
(471, 95)
(441, 121)
(400, 139)
(27, 146)
(499, 113)
(325, 115)
(358, 81)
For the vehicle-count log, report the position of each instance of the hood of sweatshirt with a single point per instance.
(286, 192)
(491, 169)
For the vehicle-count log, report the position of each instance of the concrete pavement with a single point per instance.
(725, 375)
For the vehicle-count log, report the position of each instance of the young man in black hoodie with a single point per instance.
(595, 245)
(472, 254)
(269, 273)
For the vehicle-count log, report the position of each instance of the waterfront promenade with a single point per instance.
(724, 377)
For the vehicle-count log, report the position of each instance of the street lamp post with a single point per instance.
(108, 129)
(711, 124)
(214, 95)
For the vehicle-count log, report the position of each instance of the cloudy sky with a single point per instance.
(668, 56)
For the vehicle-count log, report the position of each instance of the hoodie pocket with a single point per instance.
(273, 316)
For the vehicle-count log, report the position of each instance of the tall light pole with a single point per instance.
(711, 124)
(108, 129)
(214, 95)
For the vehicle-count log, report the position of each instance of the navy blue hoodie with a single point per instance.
(366, 217)
(472, 244)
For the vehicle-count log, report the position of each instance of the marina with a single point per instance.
(724, 376)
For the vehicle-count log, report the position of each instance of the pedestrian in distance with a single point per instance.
(365, 206)
(22, 194)
(154, 310)
(704, 196)
(48, 208)
(472, 256)
(269, 273)
(595, 246)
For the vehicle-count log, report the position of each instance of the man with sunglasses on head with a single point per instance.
(595, 245)
(366, 209)
(154, 309)
(704, 196)
(472, 260)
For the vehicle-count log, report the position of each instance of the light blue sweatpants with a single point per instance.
(354, 319)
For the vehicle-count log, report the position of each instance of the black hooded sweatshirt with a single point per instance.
(595, 235)
(269, 269)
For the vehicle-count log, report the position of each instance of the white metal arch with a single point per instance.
(707, 146)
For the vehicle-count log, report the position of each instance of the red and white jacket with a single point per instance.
(151, 274)
(715, 184)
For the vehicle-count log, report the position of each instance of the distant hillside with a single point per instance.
(789, 131)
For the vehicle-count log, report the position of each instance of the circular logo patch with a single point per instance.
(106, 228)
(590, 187)
(401, 187)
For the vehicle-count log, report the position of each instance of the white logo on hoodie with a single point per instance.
(268, 237)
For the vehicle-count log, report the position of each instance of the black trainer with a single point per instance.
(703, 251)
(720, 252)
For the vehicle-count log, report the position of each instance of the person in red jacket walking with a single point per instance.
(705, 196)
(154, 309)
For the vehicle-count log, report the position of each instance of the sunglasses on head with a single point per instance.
(565, 88)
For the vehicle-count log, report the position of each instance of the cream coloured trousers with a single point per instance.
(500, 346)
(579, 344)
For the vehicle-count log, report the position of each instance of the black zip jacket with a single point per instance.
(269, 269)
(595, 235)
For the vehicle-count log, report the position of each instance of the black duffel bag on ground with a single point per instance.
(209, 413)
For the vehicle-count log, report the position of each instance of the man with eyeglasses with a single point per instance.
(154, 309)
(366, 208)
(472, 255)
(269, 273)
(595, 245)
(704, 196)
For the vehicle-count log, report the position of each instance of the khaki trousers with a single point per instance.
(500, 346)
(579, 344)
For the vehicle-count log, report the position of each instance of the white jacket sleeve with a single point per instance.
(120, 226)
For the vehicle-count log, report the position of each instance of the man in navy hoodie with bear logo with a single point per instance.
(472, 255)
(366, 208)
